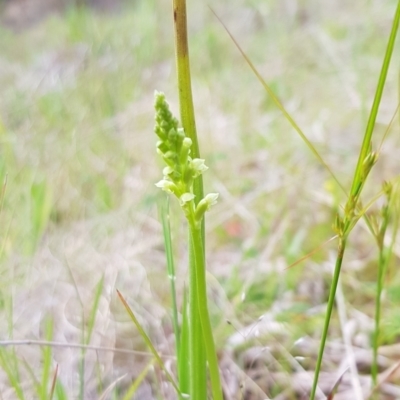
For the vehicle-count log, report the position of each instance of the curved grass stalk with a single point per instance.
(281, 107)
(148, 342)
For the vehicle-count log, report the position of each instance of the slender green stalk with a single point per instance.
(366, 160)
(281, 107)
(147, 340)
(331, 301)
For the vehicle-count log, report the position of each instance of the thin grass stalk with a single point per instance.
(148, 342)
(331, 301)
(366, 160)
(278, 103)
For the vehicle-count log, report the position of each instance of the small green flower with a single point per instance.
(168, 186)
(387, 188)
(198, 166)
(338, 225)
(369, 161)
(204, 205)
(186, 198)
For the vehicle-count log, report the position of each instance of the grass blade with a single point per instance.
(335, 388)
(147, 341)
(111, 387)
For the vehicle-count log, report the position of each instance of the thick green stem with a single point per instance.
(331, 302)
(197, 362)
(183, 71)
(198, 276)
(197, 357)
(185, 89)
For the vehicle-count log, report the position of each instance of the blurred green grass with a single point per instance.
(76, 121)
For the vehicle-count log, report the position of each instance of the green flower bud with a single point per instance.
(184, 152)
(369, 161)
(162, 147)
(204, 205)
(165, 121)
